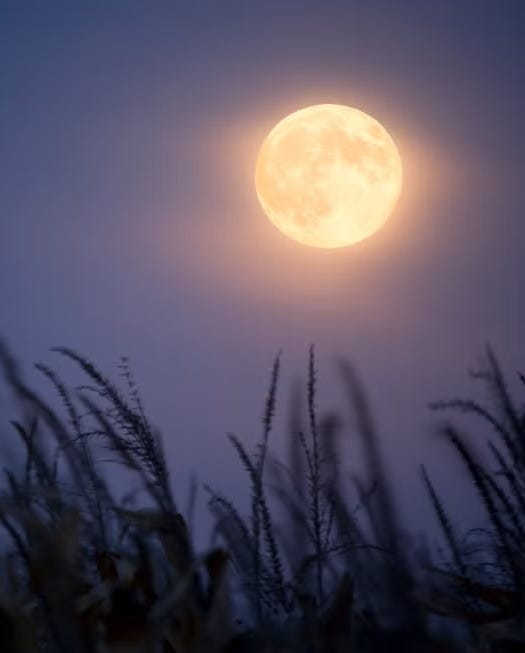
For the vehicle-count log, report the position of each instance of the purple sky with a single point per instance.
(129, 222)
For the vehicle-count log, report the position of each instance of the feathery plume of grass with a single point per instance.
(445, 523)
(485, 491)
(133, 432)
(314, 475)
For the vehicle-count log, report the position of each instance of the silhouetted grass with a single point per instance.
(87, 571)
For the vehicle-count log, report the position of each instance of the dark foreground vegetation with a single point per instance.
(85, 571)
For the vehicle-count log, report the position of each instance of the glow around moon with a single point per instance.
(328, 175)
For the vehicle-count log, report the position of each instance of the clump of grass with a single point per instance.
(486, 588)
(82, 571)
(327, 563)
(87, 571)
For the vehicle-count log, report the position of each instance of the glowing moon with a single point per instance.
(328, 175)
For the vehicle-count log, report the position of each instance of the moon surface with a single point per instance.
(328, 175)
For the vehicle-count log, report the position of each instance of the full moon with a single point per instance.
(328, 175)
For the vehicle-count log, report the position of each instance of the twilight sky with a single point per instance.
(129, 222)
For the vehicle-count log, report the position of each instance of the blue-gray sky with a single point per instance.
(129, 222)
